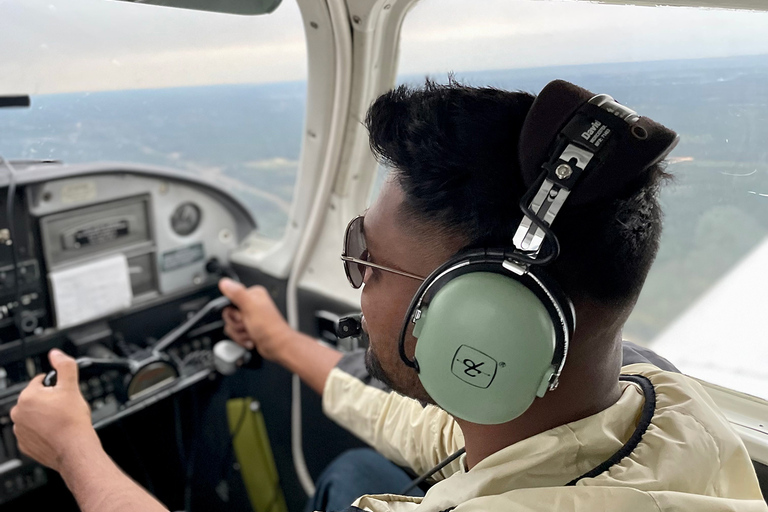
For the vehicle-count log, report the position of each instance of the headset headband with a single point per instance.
(580, 147)
(566, 124)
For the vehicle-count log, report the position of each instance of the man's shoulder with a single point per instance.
(571, 499)
(591, 498)
(684, 411)
(677, 393)
(690, 448)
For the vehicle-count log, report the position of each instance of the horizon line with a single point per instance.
(399, 76)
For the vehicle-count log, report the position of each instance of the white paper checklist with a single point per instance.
(91, 290)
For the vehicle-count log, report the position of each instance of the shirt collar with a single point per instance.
(551, 458)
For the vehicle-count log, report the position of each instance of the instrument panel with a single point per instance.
(101, 261)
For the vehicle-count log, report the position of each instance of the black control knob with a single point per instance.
(214, 266)
(28, 322)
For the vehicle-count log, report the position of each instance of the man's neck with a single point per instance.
(589, 384)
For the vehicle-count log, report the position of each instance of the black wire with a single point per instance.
(549, 235)
(432, 471)
(10, 213)
(646, 416)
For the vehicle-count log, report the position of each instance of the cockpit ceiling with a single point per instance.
(753, 5)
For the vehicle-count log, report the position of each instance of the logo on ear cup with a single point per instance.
(474, 367)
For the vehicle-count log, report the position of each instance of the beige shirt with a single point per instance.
(688, 459)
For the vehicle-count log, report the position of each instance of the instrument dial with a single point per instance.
(186, 219)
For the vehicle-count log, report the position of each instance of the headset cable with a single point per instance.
(432, 471)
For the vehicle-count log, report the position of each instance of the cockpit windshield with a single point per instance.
(217, 95)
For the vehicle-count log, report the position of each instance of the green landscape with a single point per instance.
(247, 138)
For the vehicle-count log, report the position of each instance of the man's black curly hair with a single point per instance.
(454, 151)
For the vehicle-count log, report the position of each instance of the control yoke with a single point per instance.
(153, 368)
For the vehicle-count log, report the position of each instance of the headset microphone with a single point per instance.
(349, 327)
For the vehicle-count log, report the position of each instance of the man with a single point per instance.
(461, 160)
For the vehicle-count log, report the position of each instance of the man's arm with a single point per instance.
(53, 426)
(257, 323)
(400, 428)
(99, 485)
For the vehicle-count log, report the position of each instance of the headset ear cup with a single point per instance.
(559, 298)
(486, 342)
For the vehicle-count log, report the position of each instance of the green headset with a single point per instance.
(492, 328)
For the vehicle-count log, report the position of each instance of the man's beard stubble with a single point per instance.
(372, 363)
(376, 371)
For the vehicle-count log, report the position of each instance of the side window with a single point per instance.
(700, 72)
(216, 95)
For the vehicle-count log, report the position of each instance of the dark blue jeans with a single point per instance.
(354, 473)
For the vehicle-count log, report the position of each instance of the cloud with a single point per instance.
(88, 45)
(454, 35)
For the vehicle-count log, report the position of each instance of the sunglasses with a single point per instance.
(355, 255)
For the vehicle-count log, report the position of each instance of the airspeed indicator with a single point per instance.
(186, 219)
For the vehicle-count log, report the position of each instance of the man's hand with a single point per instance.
(255, 322)
(50, 423)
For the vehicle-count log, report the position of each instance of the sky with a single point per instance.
(51, 46)
(505, 34)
